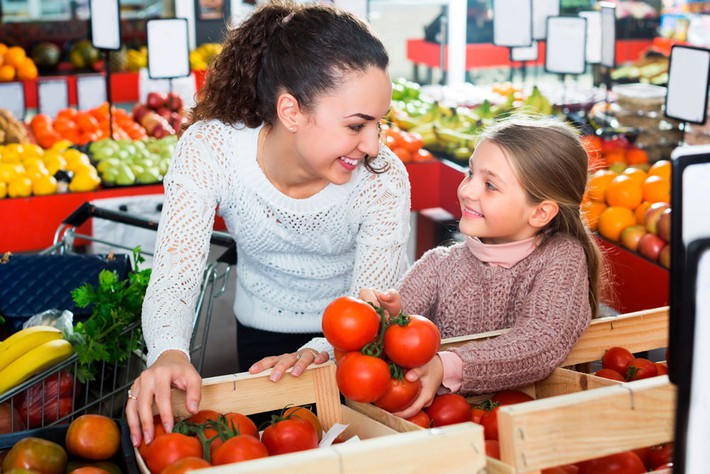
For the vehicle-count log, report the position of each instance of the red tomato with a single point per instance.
(399, 395)
(660, 454)
(621, 463)
(36, 454)
(617, 358)
(181, 466)
(306, 415)
(420, 419)
(158, 430)
(492, 448)
(490, 424)
(662, 369)
(511, 397)
(232, 424)
(362, 378)
(89, 470)
(239, 448)
(168, 448)
(610, 374)
(82, 439)
(566, 469)
(641, 369)
(338, 354)
(448, 409)
(643, 453)
(288, 436)
(412, 345)
(477, 413)
(204, 416)
(349, 323)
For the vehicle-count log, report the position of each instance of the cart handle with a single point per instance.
(88, 210)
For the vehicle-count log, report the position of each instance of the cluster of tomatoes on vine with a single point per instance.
(374, 352)
(620, 364)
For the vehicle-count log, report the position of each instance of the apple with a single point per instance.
(653, 214)
(664, 258)
(650, 246)
(139, 111)
(174, 101)
(663, 227)
(631, 236)
(164, 112)
(155, 100)
(176, 120)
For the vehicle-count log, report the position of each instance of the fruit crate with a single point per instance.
(56, 397)
(577, 416)
(381, 449)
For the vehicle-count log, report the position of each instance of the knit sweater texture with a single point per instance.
(543, 299)
(294, 255)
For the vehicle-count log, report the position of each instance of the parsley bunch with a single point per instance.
(117, 305)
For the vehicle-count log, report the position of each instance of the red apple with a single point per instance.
(139, 111)
(653, 214)
(664, 258)
(164, 112)
(174, 101)
(176, 120)
(663, 227)
(631, 236)
(155, 100)
(650, 246)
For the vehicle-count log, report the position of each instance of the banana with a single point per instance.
(36, 360)
(24, 341)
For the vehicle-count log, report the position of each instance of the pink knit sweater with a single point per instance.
(543, 298)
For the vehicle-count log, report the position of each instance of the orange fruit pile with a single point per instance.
(15, 65)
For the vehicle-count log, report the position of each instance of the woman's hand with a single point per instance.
(298, 360)
(388, 300)
(431, 374)
(171, 369)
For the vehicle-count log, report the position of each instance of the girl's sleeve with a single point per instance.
(182, 245)
(419, 287)
(381, 249)
(548, 326)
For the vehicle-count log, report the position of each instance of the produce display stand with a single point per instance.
(107, 393)
(577, 416)
(450, 449)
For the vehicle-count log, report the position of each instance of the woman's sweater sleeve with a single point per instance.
(549, 322)
(182, 245)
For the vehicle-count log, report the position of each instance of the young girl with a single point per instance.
(284, 139)
(528, 263)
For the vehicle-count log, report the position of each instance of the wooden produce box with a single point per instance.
(455, 449)
(578, 416)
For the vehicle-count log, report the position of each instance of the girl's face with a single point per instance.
(343, 128)
(494, 205)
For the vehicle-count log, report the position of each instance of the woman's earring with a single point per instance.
(292, 129)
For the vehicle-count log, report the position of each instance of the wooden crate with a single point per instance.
(456, 449)
(578, 416)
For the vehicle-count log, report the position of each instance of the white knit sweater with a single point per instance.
(294, 255)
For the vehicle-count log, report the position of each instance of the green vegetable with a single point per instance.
(117, 305)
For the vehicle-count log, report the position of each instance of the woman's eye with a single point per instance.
(357, 128)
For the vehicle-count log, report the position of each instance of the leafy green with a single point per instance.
(116, 306)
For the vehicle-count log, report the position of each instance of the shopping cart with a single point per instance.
(55, 396)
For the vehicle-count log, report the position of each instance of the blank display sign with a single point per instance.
(566, 45)
(52, 96)
(524, 53)
(168, 50)
(608, 20)
(594, 36)
(105, 24)
(541, 9)
(512, 23)
(687, 95)
(90, 91)
(12, 98)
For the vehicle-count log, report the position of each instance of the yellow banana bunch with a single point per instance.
(36, 360)
(24, 341)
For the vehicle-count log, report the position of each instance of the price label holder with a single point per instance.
(90, 91)
(52, 96)
(523, 54)
(687, 90)
(12, 98)
(566, 45)
(594, 36)
(168, 48)
(541, 9)
(105, 24)
(512, 23)
(608, 32)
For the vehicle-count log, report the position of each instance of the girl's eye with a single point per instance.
(469, 173)
(491, 186)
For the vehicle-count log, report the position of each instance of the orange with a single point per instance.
(640, 212)
(613, 220)
(661, 168)
(15, 56)
(615, 156)
(636, 174)
(7, 73)
(27, 71)
(657, 189)
(591, 210)
(3, 49)
(636, 156)
(596, 186)
(624, 191)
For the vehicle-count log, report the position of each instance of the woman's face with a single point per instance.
(343, 128)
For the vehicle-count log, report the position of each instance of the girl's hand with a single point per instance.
(171, 369)
(389, 300)
(431, 374)
(298, 360)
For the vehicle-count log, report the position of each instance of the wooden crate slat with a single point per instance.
(561, 430)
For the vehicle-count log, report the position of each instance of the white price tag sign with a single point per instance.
(566, 45)
(524, 53)
(687, 94)
(608, 32)
(168, 51)
(594, 36)
(512, 23)
(105, 24)
(541, 9)
(90, 91)
(12, 98)
(52, 96)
